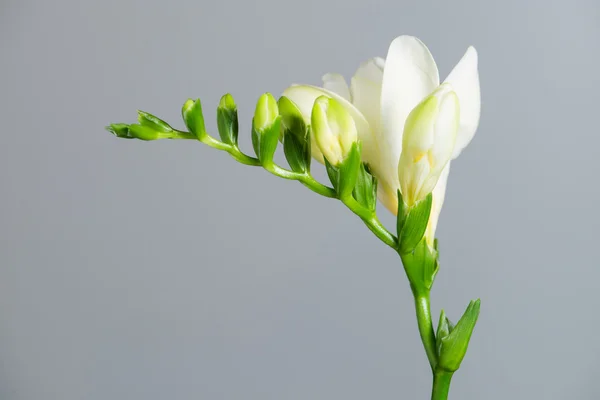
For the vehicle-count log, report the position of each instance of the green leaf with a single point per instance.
(227, 120)
(143, 132)
(454, 345)
(193, 117)
(120, 130)
(365, 191)
(412, 226)
(155, 123)
(348, 171)
(297, 150)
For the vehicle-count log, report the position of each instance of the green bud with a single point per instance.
(266, 112)
(453, 346)
(227, 120)
(296, 136)
(266, 126)
(291, 116)
(120, 130)
(193, 117)
(143, 132)
(443, 330)
(153, 122)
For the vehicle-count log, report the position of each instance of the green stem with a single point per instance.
(425, 324)
(369, 217)
(441, 384)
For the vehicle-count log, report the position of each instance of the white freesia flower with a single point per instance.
(381, 96)
(427, 143)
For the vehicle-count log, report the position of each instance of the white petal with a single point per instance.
(464, 78)
(305, 95)
(337, 84)
(409, 75)
(365, 90)
(438, 195)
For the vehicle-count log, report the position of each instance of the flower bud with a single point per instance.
(295, 136)
(143, 132)
(333, 128)
(227, 120)
(153, 122)
(193, 117)
(120, 130)
(266, 112)
(266, 128)
(428, 143)
(291, 116)
(454, 341)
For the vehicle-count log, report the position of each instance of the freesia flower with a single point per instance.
(333, 128)
(381, 97)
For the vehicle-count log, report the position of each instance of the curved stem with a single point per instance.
(441, 385)
(369, 217)
(423, 309)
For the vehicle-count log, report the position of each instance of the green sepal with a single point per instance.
(365, 191)
(143, 132)
(453, 347)
(332, 173)
(264, 141)
(348, 171)
(421, 266)
(291, 116)
(295, 137)
(194, 118)
(412, 223)
(297, 150)
(445, 326)
(227, 120)
(120, 130)
(153, 122)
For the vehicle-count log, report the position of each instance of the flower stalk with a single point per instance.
(389, 137)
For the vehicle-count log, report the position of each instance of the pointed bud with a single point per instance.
(292, 118)
(143, 132)
(266, 112)
(296, 136)
(227, 120)
(266, 126)
(453, 347)
(333, 128)
(428, 143)
(443, 330)
(120, 130)
(193, 117)
(153, 122)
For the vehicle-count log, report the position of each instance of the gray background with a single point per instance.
(165, 270)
